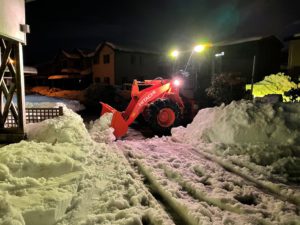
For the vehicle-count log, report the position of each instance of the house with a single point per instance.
(238, 57)
(294, 56)
(75, 67)
(114, 64)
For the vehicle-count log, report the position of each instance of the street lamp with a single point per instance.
(199, 48)
(174, 54)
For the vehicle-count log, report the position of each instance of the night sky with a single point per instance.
(157, 25)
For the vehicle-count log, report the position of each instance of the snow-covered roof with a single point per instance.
(86, 53)
(28, 71)
(245, 40)
(124, 48)
(70, 55)
(293, 37)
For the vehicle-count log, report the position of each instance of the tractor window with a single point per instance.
(106, 59)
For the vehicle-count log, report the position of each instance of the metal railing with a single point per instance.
(35, 115)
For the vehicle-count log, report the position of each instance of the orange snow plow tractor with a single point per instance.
(159, 103)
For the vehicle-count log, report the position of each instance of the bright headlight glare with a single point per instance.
(176, 82)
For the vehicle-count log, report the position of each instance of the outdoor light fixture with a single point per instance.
(175, 53)
(199, 48)
(11, 61)
(220, 54)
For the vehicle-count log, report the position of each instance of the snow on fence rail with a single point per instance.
(35, 115)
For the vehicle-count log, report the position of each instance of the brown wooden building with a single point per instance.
(114, 64)
(68, 69)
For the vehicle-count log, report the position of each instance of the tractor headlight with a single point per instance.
(177, 82)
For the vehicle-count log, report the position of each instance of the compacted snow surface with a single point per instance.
(232, 165)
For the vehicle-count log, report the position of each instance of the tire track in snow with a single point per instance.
(154, 153)
(268, 186)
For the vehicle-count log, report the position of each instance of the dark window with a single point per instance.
(77, 64)
(124, 80)
(132, 59)
(106, 80)
(65, 64)
(96, 58)
(97, 80)
(106, 59)
(141, 60)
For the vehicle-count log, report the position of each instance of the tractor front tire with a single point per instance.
(163, 114)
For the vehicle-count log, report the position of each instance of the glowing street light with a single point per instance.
(199, 48)
(175, 53)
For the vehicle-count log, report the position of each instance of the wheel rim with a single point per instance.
(166, 117)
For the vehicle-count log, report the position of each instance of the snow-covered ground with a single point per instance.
(45, 101)
(203, 174)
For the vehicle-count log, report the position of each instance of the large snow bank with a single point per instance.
(40, 177)
(61, 176)
(265, 134)
(244, 122)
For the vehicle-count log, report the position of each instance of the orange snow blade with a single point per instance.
(118, 123)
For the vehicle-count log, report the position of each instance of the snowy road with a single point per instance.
(196, 187)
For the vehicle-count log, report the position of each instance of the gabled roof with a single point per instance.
(86, 53)
(293, 37)
(77, 54)
(70, 55)
(123, 48)
(247, 40)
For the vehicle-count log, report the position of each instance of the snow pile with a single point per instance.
(100, 130)
(244, 122)
(40, 177)
(67, 128)
(273, 84)
(265, 134)
(61, 176)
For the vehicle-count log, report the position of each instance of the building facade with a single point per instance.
(294, 56)
(116, 65)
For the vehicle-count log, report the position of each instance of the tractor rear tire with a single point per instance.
(163, 114)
